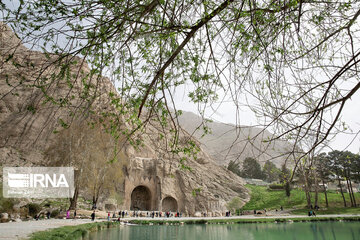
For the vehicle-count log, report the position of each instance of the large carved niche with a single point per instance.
(169, 204)
(141, 199)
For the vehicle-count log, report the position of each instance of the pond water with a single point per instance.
(258, 231)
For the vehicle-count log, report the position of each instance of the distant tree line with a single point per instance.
(251, 168)
(313, 174)
(340, 167)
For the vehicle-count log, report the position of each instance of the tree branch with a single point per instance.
(195, 28)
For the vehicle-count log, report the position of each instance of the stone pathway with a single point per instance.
(22, 230)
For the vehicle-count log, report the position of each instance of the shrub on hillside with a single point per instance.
(33, 208)
(6, 205)
(234, 204)
(47, 204)
(54, 213)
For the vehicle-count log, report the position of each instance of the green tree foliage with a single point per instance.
(234, 204)
(251, 169)
(356, 168)
(347, 160)
(323, 170)
(341, 167)
(270, 172)
(284, 174)
(285, 178)
(33, 208)
(234, 166)
(338, 170)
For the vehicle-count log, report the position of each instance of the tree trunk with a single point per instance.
(73, 200)
(349, 191)
(96, 194)
(316, 191)
(307, 190)
(342, 193)
(326, 198)
(352, 192)
(95, 199)
(308, 199)
(307, 195)
(287, 189)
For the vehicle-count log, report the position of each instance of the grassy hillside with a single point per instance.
(262, 198)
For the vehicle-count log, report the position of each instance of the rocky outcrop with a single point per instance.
(154, 178)
(204, 188)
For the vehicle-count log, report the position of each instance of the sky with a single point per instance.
(226, 113)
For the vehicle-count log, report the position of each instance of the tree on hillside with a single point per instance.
(270, 171)
(336, 167)
(356, 168)
(92, 152)
(234, 204)
(344, 166)
(347, 160)
(68, 151)
(251, 169)
(285, 178)
(103, 170)
(323, 170)
(305, 175)
(234, 166)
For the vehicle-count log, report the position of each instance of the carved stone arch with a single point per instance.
(141, 199)
(169, 204)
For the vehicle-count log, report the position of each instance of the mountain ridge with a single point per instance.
(227, 142)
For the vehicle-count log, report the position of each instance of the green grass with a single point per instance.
(330, 210)
(262, 198)
(72, 232)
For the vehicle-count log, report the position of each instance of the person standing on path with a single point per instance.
(67, 214)
(93, 216)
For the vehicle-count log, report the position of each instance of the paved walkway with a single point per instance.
(21, 230)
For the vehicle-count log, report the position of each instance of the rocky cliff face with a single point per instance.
(28, 117)
(154, 179)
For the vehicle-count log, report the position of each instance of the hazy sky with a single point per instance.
(226, 113)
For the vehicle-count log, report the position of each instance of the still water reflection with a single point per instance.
(268, 231)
